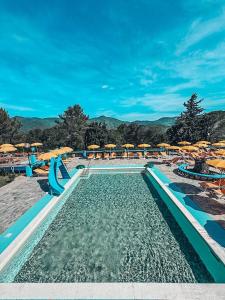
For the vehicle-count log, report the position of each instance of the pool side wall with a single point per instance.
(212, 262)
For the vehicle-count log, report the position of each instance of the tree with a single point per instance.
(96, 133)
(71, 128)
(190, 124)
(9, 128)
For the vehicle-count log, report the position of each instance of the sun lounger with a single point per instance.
(91, 156)
(171, 162)
(130, 154)
(139, 155)
(41, 172)
(113, 155)
(163, 154)
(98, 155)
(155, 154)
(124, 155)
(219, 193)
(106, 155)
(45, 168)
(218, 184)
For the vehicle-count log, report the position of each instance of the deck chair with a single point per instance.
(130, 154)
(155, 155)
(124, 155)
(113, 155)
(171, 162)
(217, 184)
(139, 155)
(219, 193)
(106, 155)
(148, 155)
(40, 172)
(98, 156)
(163, 154)
(91, 156)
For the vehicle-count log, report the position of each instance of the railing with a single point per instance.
(85, 172)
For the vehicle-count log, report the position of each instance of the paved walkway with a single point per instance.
(19, 195)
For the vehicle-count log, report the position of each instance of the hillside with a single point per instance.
(110, 122)
(218, 128)
(33, 123)
(217, 119)
(166, 121)
(43, 123)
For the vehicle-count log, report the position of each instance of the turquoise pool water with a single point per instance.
(114, 228)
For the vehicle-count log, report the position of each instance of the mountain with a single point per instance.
(33, 123)
(217, 117)
(166, 121)
(43, 123)
(110, 122)
(218, 120)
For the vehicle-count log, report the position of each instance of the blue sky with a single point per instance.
(129, 59)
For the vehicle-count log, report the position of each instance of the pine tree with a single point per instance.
(71, 127)
(189, 126)
(9, 128)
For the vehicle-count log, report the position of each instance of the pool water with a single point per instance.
(114, 228)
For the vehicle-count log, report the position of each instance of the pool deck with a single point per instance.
(21, 194)
(18, 196)
(147, 291)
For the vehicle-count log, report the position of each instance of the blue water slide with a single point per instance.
(63, 169)
(55, 187)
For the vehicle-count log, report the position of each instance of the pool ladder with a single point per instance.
(85, 172)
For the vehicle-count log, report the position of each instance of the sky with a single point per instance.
(128, 59)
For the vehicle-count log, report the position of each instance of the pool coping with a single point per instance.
(112, 291)
(10, 250)
(216, 248)
(50, 201)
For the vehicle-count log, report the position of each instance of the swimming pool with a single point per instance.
(111, 227)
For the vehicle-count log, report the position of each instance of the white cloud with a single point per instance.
(168, 102)
(201, 29)
(146, 82)
(16, 107)
(105, 86)
(182, 86)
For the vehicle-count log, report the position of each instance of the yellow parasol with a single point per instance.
(219, 144)
(163, 145)
(47, 156)
(144, 146)
(8, 149)
(110, 146)
(189, 148)
(21, 145)
(93, 147)
(200, 145)
(58, 151)
(203, 142)
(173, 148)
(220, 152)
(128, 146)
(216, 163)
(184, 143)
(6, 145)
(66, 149)
(36, 144)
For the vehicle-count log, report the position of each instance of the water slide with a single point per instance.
(56, 164)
